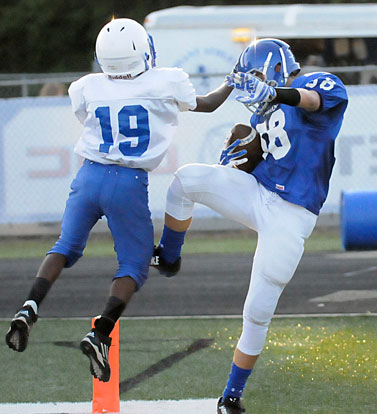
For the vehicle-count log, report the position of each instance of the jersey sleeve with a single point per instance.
(184, 91)
(76, 93)
(330, 88)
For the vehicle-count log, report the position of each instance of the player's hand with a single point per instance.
(259, 92)
(230, 158)
(242, 81)
(239, 80)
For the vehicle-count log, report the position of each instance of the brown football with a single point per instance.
(253, 148)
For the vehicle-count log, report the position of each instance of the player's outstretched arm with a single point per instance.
(259, 91)
(211, 101)
(309, 100)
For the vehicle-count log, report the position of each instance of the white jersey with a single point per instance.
(130, 122)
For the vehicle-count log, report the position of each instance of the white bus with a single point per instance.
(208, 40)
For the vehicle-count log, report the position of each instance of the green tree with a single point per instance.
(38, 36)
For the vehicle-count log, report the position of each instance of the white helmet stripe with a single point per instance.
(284, 64)
(266, 63)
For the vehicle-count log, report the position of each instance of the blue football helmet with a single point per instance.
(263, 56)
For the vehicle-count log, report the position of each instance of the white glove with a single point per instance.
(230, 158)
(259, 91)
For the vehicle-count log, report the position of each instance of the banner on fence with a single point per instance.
(37, 162)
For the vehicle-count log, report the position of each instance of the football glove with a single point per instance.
(238, 80)
(259, 91)
(232, 159)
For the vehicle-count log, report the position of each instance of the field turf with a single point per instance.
(322, 365)
(216, 242)
(310, 365)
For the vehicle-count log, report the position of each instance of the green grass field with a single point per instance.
(313, 365)
(310, 365)
(219, 242)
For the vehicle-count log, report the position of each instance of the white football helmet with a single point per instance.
(124, 48)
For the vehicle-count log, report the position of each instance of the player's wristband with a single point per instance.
(288, 96)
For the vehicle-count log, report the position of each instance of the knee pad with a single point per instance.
(261, 300)
(253, 338)
(258, 314)
(196, 178)
(259, 308)
(178, 205)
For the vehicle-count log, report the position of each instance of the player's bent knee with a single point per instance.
(258, 315)
(261, 301)
(189, 174)
(178, 205)
(139, 275)
(253, 338)
(72, 255)
(199, 179)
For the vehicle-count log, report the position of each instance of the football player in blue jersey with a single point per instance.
(297, 120)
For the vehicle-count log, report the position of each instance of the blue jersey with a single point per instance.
(298, 145)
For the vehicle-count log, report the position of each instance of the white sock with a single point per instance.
(33, 305)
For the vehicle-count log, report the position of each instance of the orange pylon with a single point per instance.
(106, 397)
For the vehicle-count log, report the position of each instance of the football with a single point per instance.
(253, 148)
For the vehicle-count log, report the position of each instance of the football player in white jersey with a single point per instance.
(129, 115)
(297, 121)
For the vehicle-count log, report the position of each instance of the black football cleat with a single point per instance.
(165, 268)
(18, 334)
(231, 405)
(96, 347)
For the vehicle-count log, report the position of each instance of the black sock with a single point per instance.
(112, 312)
(39, 290)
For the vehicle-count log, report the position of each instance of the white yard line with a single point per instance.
(126, 407)
(346, 296)
(361, 271)
(278, 316)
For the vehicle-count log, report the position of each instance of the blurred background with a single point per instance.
(45, 45)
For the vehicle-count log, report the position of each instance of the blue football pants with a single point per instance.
(121, 195)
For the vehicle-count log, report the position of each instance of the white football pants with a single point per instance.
(282, 229)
